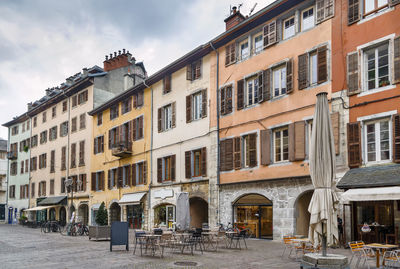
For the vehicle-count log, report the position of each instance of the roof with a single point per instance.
(373, 176)
(56, 200)
(16, 120)
(3, 145)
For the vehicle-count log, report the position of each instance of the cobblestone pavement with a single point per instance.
(22, 247)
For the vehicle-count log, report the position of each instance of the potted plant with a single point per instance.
(383, 83)
(22, 219)
(26, 148)
(101, 230)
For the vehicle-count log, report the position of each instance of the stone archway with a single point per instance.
(302, 215)
(198, 212)
(83, 213)
(52, 213)
(115, 212)
(63, 216)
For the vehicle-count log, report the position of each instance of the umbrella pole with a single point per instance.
(323, 240)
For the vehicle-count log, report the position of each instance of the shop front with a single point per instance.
(133, 206)
(164, 216)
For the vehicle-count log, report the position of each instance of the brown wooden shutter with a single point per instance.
(141, 127)
(320, 11)
(233, 53)
(222, 101)
(84, 183)
(188, 108)
(396, 138)
(322, 64)
(354, 144)
(102, 180)
(253, 150)
(352, 74)
(167, 84)
(188, 164)
(289, 76)
(237, 157)
(303, 71)
(128, 176)
(396, 58)
(198, 69)
(291, 142)
(204, 103)
(353, 14)
(93, 181)
(135, 101)
(134, 128)
(159, 170)
(229, 154)
(173, 168)
(120, 176)
(267, 85)
(265, 141)
(222, 155)
(204, 162)
(260, 87)
(109, 180)
(173, 106)
(269, 34)
(336, 131)
(189, 75)
(299, 140)
(227, 54)
(145, 172)
(102, 143)
(130, 128)
(95, 145)
(133, 175)
(159, 120)
(109, 140)
(228, 99)
(240, 94)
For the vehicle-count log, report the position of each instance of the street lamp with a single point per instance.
(69, 183)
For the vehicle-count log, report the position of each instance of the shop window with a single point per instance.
(164, 216)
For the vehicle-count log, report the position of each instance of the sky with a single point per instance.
(43, 42)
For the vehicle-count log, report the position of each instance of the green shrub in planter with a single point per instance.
(102, 215)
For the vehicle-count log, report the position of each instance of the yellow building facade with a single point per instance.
(120, 157)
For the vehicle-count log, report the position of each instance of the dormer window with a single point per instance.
(288, 28)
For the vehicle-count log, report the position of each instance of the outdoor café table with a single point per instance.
(301, 241)
(208, 240)
(151, 242)
(380, 249)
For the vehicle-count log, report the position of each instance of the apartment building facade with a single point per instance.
(17, 179)
(367, 75)
(3, 179)
(268, 69)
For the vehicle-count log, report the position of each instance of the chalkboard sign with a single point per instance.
(119, 234)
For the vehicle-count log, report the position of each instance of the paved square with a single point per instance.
(22, 247)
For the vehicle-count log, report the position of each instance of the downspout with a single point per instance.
(8, 173)
(30, 156)
(218, 116)
(67, 152)
(151, 156)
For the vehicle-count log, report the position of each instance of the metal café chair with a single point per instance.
(139, 240)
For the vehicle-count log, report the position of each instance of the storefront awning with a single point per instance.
(131, 198)
(368, 177)
(56, 200)
(371, 194)
(38, 208)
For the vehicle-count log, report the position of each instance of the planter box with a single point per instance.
(100, 232)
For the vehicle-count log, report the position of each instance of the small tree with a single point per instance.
(102, 215)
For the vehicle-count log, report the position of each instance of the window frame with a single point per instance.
(261, 48)
(377, 141)
(276, 68)
(167, 168)
(99, 118)
(364, 65)
(284, 29)
(197, 109)
(374, 10)
(241, 43)
(302, 18)
(254, 80)
(280, 130)
(167, 118)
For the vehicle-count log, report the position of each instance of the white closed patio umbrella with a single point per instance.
(324, 202)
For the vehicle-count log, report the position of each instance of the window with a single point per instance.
(98, 146)
(34, 121)
(196, 106)
(33, 189)
(14, 148)
(52, 161)
(74, 125)
(167, 84)
(313, 68)
(74, 101)
(288, 28)
(196, 163)
(99, 118)
(42, 161)
(82, 121)
(140, 174)
(53, 112)
(230, 54)
(252, 91)
(244, 50)
(226, 100)
(377, 141)
(82, 97)
(112, 178)
(43, 137)
(14, 130)
(166, 169)
(73, 155)
(98, 181)
(307, 19)
(193, 70)
(51, 186)
(114, 112)
(33, 163)
(281, 145)
(137, 128)
(64, 128)
(63, 158)
(42, 188)
(164, 215)
(82, 183)
(22, 167)
(138, 99)
(376, 65)
(112, 137)
(12, 191)
(126, 105)
(166, 117)
(23, 127)
(81, 153)
(374, 5)
(26, 166)
(324, 10)
(44, 117)
(27, 125)
(64, 106)
(258, 43)
(279, 80)
(53, 133)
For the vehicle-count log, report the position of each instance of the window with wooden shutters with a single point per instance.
(166, 168)
(353, 14)
(335, 119)
(99, 118)
(249, 148)
(120, 174)
(52, 161)
(33, 190)
(26, 166)
(281, 144)
(81, 153)
(167, 84)
(269, 34)
(396, 138)
(64, 106)
(396, 58)
(188, 164)
(240, 94)
(63, 158)
(226, 100)
(226, 154)
(325, 10)
(197, 158)
(251, 92)
(279, 80)
(299, 140)
(94, 182)
(196, 163)
(73, 155)
(322, 64)
(303, 71)
(189, 74)
(289, 76)
(64, 129)
(193, 70)
(352, 74)
(126, 105)
(51, 186)
(109, 180)
(354, 144)
(265, 146)
(188, 108)
(230, 54)
(159, 170)
(82, 121)
(114, 111)
(22, 167)
(237, 150)
(140, 173)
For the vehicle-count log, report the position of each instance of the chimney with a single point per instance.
(48, 91)
(118, 61)
(84, 72)
(29, 106)
(234, 19)
(69, 81)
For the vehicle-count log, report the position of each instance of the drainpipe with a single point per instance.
(8, 174)
(218, 116)
(29, 163)
(67, 152)
(151, 156)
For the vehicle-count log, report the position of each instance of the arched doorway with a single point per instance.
(254, 211)
(115, 212)
(198, 212)
(83, 213)
(63, 216)
(52, 213)
(302, 215)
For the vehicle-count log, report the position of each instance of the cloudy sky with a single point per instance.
(42, 42)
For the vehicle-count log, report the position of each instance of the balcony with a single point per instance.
(12, 155)
(122, 149)
(3, 187)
